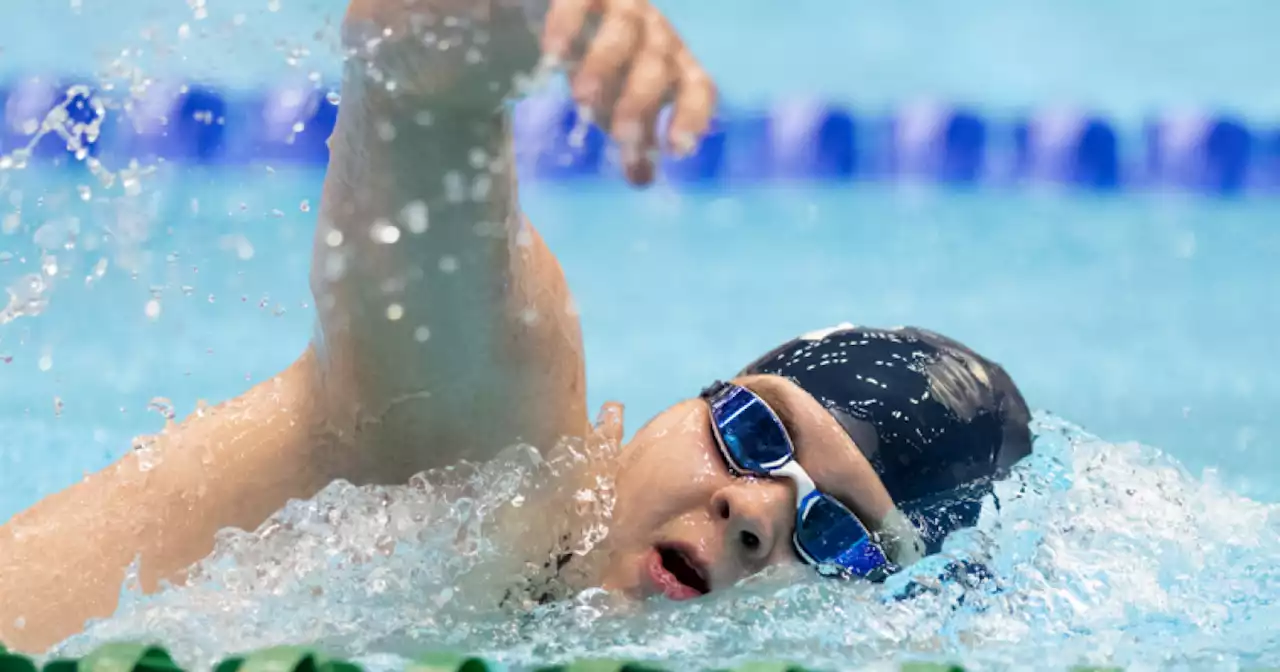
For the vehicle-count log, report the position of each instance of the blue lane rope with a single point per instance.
(799, 140)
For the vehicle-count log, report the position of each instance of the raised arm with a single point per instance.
(445, 326)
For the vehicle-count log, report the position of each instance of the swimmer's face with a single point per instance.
(685, 526)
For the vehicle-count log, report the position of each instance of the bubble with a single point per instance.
(333, 97)
(333, 238)
(395, 311)
(152, 309)
(45, 363)
(448, 264)
(421, 334)
(305, 205)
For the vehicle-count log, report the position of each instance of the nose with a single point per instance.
(749, 510)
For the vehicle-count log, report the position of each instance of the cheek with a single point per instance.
(667, 474)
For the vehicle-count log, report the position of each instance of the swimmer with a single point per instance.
(446, 332)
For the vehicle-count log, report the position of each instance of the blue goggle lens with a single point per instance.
(753, 437)
(834, 537)
(754, 441)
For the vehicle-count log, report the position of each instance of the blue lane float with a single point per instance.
(1197, 151)
(61, 115)
(799, 140)
(933, 142)
(1068, 148)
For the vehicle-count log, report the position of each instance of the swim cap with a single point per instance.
(937, 422)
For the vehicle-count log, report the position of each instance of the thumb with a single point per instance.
(609, 422)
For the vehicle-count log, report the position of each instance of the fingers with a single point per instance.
(648, 85)
(565, 20)
(634, 64)
(695, 103)
(613, 47)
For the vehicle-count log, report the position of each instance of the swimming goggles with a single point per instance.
(754, 441)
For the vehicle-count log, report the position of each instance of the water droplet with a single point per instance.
(454, 187)
(421, 334)
(273, 5)
(384, 232)
(395, 311)
(334, 98)
(85, 192)
(152, 309)
(333, 238)
(305, 205)
(386, 131)
(45, 362)
(335, 266)
(26, 298)
(299, 127)
(57, 407)
(184, 31)
(162, 406)
(448, 264)
(416, 217)
(480, 188)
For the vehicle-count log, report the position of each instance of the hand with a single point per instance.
(623, 59)
(623, 75)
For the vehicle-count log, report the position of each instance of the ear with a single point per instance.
(609, 423)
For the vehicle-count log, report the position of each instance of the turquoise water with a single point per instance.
(1139, 317)
(1147, 320)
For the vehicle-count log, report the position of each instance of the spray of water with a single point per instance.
(1100, 553)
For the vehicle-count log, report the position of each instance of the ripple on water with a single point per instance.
(1101, 553)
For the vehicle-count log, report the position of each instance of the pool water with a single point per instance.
(1141, 319)
(1142, 532)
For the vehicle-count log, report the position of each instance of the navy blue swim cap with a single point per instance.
(937, 421)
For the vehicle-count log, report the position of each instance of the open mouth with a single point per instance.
(684, 568)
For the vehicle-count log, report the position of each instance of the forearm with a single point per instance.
(63, 561)
(438, 303)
